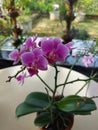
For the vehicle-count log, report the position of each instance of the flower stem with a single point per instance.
(14, 76)
(56, 77)
(45, 83)
(87, 81)
(82, 88)
(76, 80)
(68, 75)
(91, 74)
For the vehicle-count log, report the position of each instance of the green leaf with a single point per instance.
(82, 113)
(34, 102)
(38, 99)
(76, 104)
(43, 119)
(24, 109)
(69, 103)
(88, 106)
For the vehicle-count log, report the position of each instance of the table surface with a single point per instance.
(12, 93)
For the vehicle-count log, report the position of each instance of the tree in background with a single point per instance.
(67, 36)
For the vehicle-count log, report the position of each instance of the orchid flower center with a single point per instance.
(52, 56)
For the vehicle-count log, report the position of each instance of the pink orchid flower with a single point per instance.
(34, 61)
(54, 50)
(87, 60)
(30, 43)
(70, 46)
(21, 78)
(16, 54)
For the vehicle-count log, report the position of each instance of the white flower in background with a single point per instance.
(55, 6)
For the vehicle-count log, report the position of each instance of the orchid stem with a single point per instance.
(68, 75)
(82, 88)
(14, 76)
(56, 76)
(90, 77)
(45, 83)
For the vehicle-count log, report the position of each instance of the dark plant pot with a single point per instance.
(69, 125)
(69, 117)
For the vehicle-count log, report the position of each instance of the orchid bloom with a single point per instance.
(30, 43)
(21, 78)
(70, 46)
(16, 54)
(35, 58)
(54, 50)
(34, 61)
(87, 60)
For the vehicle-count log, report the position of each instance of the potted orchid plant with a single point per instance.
(55, 112)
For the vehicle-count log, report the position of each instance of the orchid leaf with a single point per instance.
(76, 104)
(34, 102)
(24, 109)
(43, 119)
(38, 99)
(82, 113)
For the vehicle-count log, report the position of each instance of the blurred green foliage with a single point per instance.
(44, 6)
(88, 6)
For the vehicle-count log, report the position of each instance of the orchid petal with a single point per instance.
(30, 43)
(62, 52)
(27, 59)
(32, 71)
(56, 41)
(47, 46)
(22, 49)
(42, 63)
(13, 55)
(21, 78)
(37, 52)
(87, 60)
(70, 46)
